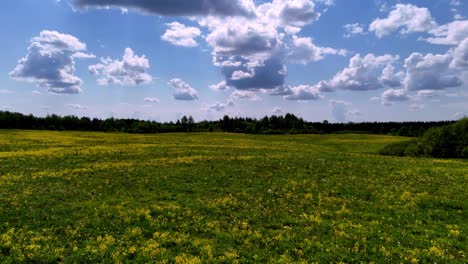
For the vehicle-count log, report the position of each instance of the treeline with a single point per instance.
(287, 124)
(450, 141)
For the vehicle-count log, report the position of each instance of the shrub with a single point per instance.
(441, 142)
(397, 149)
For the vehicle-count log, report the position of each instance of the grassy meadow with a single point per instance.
(226, 198)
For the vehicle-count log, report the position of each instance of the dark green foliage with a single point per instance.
(398, 148)
(449, 141)
(287, 124)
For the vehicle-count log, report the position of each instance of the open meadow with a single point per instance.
(225, 198)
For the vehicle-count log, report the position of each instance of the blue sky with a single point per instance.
(340, 60)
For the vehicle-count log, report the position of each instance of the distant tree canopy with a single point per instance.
(287, 124)
(449, 141)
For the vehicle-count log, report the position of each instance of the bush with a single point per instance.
(441, 142)
(397, 149)
(447, 141)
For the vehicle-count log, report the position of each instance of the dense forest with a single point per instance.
(287, 124)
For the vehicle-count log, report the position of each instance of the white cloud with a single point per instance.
(429, 72)
(450, 34)
(232, 37)
(151, 100)
(77, 106)
(82, 55)
(50, 62)
(362, 74)
(304, 51)
(460, 55)
(455, 4)
(251, 43)
(406, 18)
(220, 107)
(416, 107)
(282, 13)
(326, 2)
(354, 29)
(277, 110)
(341, 111)
(183, 91)
(390, 78)
(240, 75)
(460, 115)
(394, 95)
(458, 17)
(181, 35)
(245, 95)
(260, 47)
(221, 86)
(429, 93)
(303, 93)
(130, 71)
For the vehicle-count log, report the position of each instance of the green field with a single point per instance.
(225, 198)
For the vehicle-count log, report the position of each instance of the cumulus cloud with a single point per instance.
(354, 29)
(460, 55)
(248, 46)
(269, 75)
(429, 93)
(284, 13)
(241, 37)
(303, 93)
(416, 107)
(406, 18)
(50, 62)
(449, 34)
(240, 75)
(429, 72)
(220, 107)
(221, 86)
(277, 110)
(151, 100)
(342, 111)
(391, 78)
(455, 5)
(326, 2)
(460, 115)
(181, 35)
(253, 53)
(252, 44)
(82, 55)
(304, 51)
(183, 91)
(176, 7)
(245, 95)
(362, 74)
(394, 95)
(130, 71)
(77, 106)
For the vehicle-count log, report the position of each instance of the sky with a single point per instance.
(336, 60)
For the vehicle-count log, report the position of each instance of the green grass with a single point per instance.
(223, 198)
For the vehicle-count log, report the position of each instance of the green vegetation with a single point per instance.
(273, 125)
(81, 197)
(449, 141)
